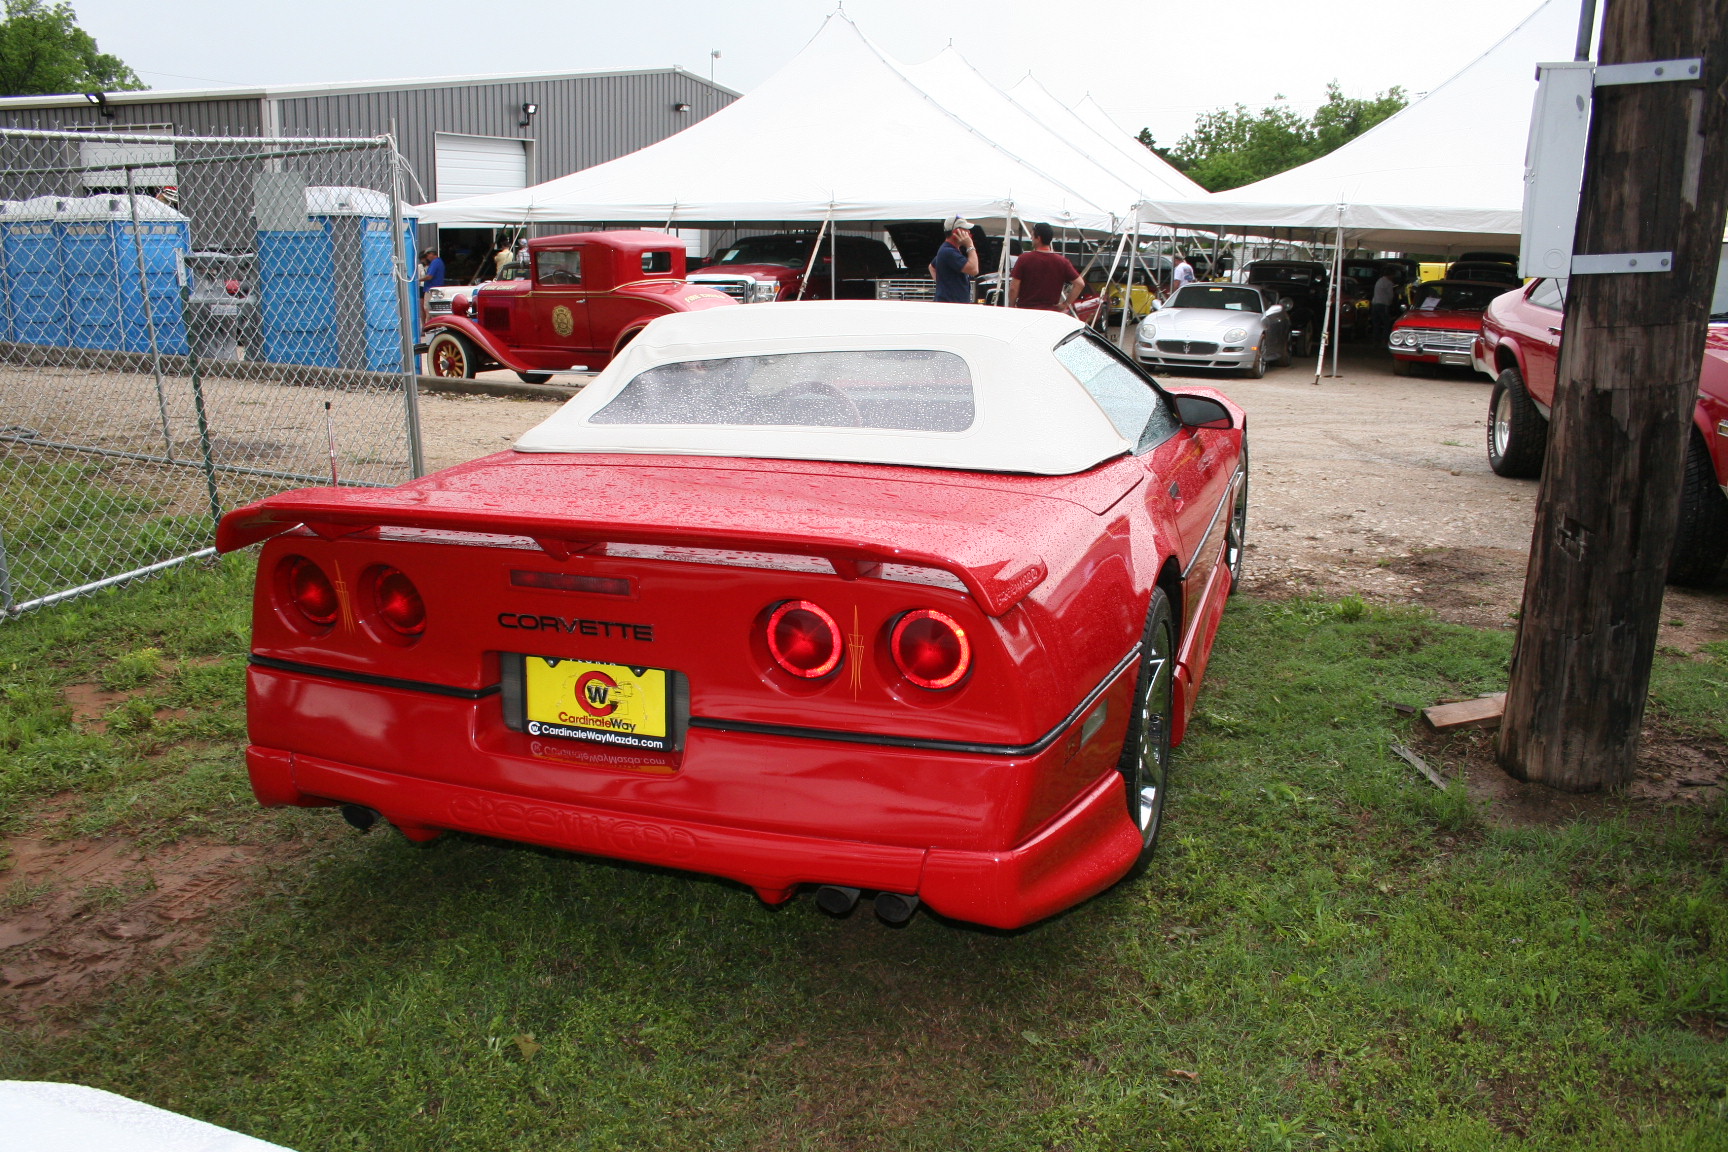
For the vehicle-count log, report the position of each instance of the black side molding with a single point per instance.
(374, 681)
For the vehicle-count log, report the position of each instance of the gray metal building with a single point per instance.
(461, 135)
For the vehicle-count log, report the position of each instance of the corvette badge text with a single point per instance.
(577, 625)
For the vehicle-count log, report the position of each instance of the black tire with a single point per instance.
(1145, 760)
(1256, 370)
(1304, 348)
(533, 377)
(1701, 540)
(451, 355)
(1236, 535)
(1517, 432)
(1287, 357)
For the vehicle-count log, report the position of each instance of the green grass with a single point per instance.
(1327, 953)
(69, 522)
(169, 762)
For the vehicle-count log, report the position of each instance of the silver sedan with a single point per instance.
(1234, 326)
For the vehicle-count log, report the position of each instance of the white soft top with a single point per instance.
(1030, 413)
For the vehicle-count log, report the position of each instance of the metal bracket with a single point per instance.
(1649, 72)
(1603, 263)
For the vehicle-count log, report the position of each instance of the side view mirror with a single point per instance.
(1202, 412)
(1274, 310)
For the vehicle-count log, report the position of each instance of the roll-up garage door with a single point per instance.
(475, 165)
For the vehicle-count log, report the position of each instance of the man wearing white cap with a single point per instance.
(955, 264)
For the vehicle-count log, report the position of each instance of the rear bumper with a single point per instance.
(1076, 854)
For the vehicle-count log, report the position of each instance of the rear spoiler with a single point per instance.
(997, 571)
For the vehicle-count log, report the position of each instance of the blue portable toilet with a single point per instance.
(328, 289)
(101, 248)
(35, 281)
(5, 285)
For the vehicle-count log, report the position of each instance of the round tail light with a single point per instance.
(930, 648)
(311, 592)
(399, 603)
(804, 640)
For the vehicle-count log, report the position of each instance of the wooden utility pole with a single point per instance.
(1655, 187)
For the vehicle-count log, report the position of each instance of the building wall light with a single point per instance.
(680, 107)
(528, 111)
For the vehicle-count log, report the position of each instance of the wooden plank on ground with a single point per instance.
(1481, 713)
(1420, 765)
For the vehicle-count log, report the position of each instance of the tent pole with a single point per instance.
(1104, 312)
(1338, 309)
(833, 259)
(815, 250)
(1122, 340)
(1002, 264)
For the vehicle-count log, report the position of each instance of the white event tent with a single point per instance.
(839, 134)
(1088, 121)
(1446, 174)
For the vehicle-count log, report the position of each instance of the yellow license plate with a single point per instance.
(605, 703)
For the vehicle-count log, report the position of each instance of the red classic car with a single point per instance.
(904, 598)
(1519, 346)
(587, 295)
(1440, 325)
(762, 269)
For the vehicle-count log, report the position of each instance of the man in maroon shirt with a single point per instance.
(1042, 278)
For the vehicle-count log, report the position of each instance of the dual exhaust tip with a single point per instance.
(891, 907)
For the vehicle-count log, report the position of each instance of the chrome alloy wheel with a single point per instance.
(1236, 535)
(1154, 706)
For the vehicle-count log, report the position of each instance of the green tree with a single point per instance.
(1164, 154)
(43, 52)
(1341, 118)
(1230, 147)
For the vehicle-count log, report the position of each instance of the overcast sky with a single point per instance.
(1153, 63)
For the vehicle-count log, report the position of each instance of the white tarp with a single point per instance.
(1087, 122)
(838, 133)
(46, 1116)
(1444, 174)
(957, 88)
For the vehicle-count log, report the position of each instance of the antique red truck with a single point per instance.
(587, 295)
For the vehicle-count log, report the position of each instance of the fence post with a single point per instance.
(149, 314)
(6, 600)
(406, 303)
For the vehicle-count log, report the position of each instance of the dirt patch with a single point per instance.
(455, 429)
(77, 915)
(91, 704)
(1675, 770)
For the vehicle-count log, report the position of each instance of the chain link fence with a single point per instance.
(188, 324)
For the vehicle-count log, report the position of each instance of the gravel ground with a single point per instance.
(1379, 485)
(1367, 483)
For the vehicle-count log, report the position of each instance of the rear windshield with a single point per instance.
(786, 251)
(1456, 297)
(908, 390)
(1218, 296)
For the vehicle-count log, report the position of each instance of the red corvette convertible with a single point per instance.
(911, 599)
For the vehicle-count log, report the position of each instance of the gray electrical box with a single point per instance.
(1554, 167)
